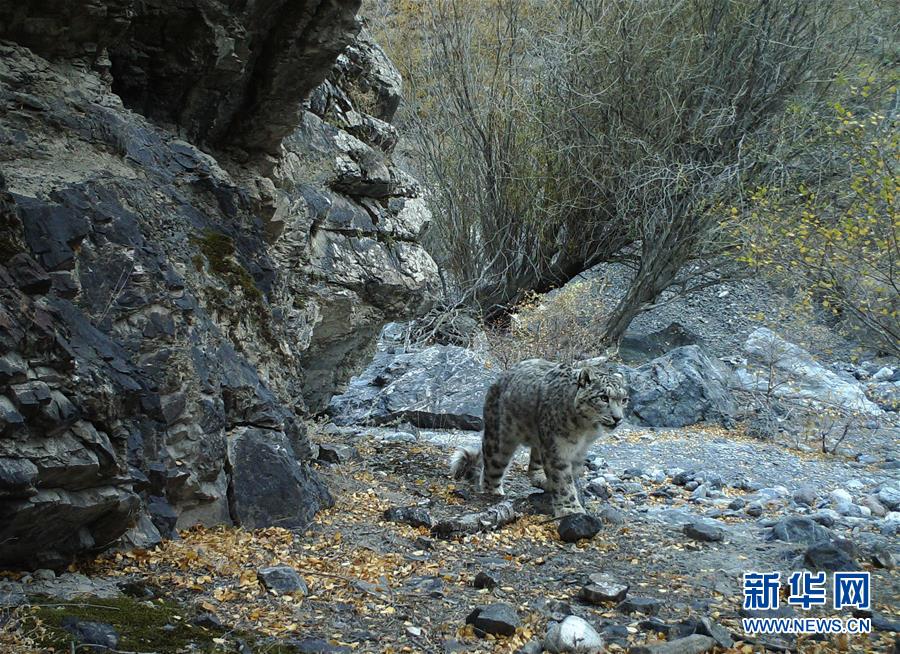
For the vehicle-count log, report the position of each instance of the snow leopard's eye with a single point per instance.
(604, 398)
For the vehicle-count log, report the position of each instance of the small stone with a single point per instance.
(876, 507)
(424, 543)
(772, 493)
(806, 496)
(840, 496)
(531, 647)
(554, 609)
(703, 532)
(825, 517)
(43, 574)
(691, 485)
(91, 633)
(799, 529)
(612, 515)
(828, 556)
(883, 558)
(709, 627)
(330, 453)
(700, 492)
(693, 644)
(889, 497)
(602, 587)
(645, 605)
(849, 510)
(576, 526)
(599, 488)
(754, 509)
(282, 579)
(573, 635)
(208, 621)
(737, 504)
(883, 374)
(484, 580)
(414, 516)
(497, 619)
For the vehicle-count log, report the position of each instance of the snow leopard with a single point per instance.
(556, 409)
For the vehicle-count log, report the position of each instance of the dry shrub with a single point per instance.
(562, 326)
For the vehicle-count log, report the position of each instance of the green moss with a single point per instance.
(143, 626)
(218, 248)
(11, 242)
(158, 626)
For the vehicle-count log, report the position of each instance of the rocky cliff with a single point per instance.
(201, 234)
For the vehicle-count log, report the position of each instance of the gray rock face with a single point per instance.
(160, 305)
(797, 374)
(441, 386)
(269, 486)
(682, 388)
(235, 72)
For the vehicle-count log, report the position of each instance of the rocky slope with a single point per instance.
(202, 233)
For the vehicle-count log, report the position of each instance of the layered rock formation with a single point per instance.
(201, 234)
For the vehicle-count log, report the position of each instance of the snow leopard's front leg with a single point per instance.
(536, 473)
(560, 481)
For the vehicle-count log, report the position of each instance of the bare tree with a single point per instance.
(564, 134)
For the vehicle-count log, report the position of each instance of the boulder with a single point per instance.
(681, 388)
(441, 386)
(797, 374)
(269, 486)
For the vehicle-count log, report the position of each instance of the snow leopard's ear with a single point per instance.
(584, 377)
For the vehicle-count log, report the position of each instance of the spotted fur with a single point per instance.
(555, 409)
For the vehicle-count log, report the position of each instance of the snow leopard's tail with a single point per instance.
(466, 463)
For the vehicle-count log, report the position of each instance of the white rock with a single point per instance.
(855, 485)
(840, 496)
(883, 374)
(573, 635)
(797, 374)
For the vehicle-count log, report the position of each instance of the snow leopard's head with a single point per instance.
(601, 396)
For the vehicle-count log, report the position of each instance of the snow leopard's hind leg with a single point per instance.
(496, 451)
